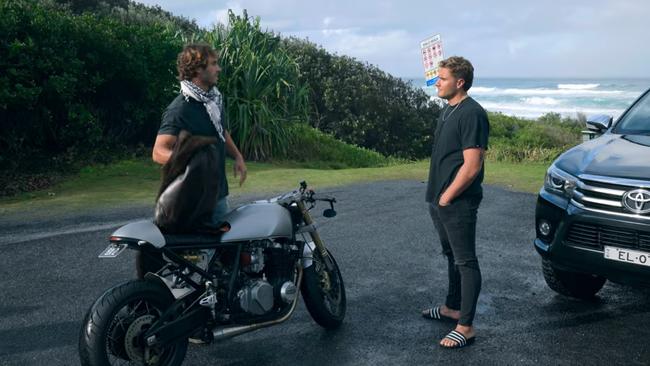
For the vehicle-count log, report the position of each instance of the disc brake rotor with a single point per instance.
(325, 282)
(133, 342)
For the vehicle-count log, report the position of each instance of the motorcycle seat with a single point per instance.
(203, 237)
(191, 239)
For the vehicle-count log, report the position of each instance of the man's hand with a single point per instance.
(444, 201)
(240, 165)
(240, 169)
(472, 164)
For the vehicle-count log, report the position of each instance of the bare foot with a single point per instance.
(467, 331)
(445, 311)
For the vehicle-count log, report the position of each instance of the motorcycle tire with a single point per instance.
(111, 328)
(324, 293)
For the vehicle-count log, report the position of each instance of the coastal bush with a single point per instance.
(362, 105)
(517, 154)
(321, 150)
(85, 81)
(264, 96)
(76, 88)
(519, 140)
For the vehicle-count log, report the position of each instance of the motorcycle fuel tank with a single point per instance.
(258, 221)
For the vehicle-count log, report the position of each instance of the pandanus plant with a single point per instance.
(259, 81)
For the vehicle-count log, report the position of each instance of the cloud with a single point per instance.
(514, 46)
(350, 41)
(338, 32)
(579, 38)
(221, 15)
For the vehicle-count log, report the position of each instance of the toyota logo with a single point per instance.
(637, 201)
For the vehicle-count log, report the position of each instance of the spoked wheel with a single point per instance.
(112, 331)
(324, 292)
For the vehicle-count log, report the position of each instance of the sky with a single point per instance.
(509, 38)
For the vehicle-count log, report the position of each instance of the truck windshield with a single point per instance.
(637, 120)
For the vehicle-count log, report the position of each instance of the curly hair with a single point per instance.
(461, 68)
(193, 58)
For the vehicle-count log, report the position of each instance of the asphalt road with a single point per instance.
(389, 254)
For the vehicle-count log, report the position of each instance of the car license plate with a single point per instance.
(113, 250)
(627, 255)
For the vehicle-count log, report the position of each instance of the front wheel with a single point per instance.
(323, 292)
(111, 332)
(573, 284)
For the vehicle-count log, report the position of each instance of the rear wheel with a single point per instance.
(112, 330)
(324, 293)
(573, 284)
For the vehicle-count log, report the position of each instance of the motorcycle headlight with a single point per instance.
(559, 182)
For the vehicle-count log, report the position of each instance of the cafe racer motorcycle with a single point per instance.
(220, 286)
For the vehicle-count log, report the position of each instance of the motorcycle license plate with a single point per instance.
(627, 255)
(112, 250)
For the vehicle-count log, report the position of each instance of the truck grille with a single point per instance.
(597, 194)
(595, 236)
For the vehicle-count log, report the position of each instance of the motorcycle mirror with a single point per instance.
(329, 213)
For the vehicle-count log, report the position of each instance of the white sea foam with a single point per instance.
(546, 92)
(532, 111)
(540, 101)
(482, 89)
(577, 86)
(533, 98)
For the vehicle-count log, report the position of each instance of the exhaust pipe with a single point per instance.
(225, 333)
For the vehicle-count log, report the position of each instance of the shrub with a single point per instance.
(263, 94)
(362, 105)
(74, 87)
(519, 140)
(323, 150)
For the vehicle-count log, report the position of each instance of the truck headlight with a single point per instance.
(559, 182)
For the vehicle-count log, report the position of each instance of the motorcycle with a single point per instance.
(219, 286)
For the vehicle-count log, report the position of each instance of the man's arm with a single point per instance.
(162, 148)
(473, 161)
(240, 165)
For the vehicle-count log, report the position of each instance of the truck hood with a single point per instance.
(622, 156)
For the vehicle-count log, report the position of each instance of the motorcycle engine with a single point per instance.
(269, 269)
(256, 297)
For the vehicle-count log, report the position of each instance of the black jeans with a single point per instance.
(456, 226)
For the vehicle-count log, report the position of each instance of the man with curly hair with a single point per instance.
(454, 193)
(199, 109)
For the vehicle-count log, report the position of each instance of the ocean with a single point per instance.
(531, 98)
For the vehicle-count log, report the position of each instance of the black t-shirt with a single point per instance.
(465, 127)
(192, 116)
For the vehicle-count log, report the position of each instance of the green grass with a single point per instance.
(135, 182)
(521, 177)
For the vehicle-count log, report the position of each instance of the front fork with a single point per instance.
(314, 235)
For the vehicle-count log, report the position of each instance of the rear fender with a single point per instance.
(143, 232)
(178, 293)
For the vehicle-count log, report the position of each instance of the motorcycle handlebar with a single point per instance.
(323, 197)
(305, 194)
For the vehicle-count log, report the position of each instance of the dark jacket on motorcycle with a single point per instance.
(189, 188)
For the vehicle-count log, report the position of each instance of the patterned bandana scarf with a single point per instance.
(210, 99)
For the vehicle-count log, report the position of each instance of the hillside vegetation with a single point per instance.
(84, 82)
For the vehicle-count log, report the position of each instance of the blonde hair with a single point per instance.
(460, 68)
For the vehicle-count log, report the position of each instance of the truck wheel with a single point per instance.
(573, 284)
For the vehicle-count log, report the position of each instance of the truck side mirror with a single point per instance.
(596, 126)
(599, 122)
